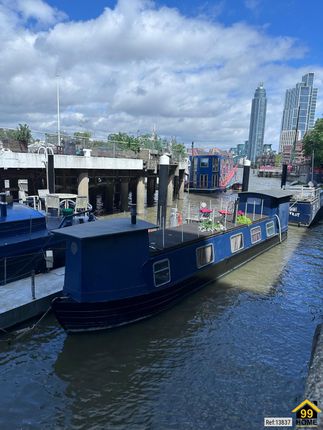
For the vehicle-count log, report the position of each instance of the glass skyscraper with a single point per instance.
(302, 98)
(257, 123)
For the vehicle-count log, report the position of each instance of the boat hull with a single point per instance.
(81, 317)
(305, 214)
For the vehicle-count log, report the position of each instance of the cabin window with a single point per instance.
(203, 181)
(204, 162)
(255, 234)
(161, 272)
(270, 228)
(214, 181)
(236, 242)
(204, 256)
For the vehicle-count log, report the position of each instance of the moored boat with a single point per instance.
(211, 172)
(118, 272)
(26, 241)
(306, 205)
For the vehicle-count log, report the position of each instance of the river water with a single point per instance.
(224, 358)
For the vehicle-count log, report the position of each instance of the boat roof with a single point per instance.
(276, 194)
(19, 212)
(103, 228)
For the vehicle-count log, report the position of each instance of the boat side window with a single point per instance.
(204, 255)
(161, 272)
(236, 242)
(255, 234)
(270, 228)
(204, 162)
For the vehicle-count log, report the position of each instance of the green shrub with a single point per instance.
(242, 219)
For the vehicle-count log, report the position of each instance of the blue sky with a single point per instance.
(188, 68)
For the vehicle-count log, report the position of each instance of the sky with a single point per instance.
(189, 69)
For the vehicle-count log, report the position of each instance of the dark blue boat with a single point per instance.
(25, 236)
(118, 273)
(306, 206)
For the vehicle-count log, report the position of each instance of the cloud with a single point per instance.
(135, 67)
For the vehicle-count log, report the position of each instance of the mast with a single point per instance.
(58, 112)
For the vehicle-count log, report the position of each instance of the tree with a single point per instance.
(82, 138)
(278, 160)
(23, 136)
(313, 141)
(124, 142)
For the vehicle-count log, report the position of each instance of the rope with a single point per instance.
(29, 329)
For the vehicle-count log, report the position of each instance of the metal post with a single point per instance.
(245, 209)
(225, 217)
(246, 173)
(162, 188)
(182, 232)
(262, 207)
(254, 210)
(284, 176)
(313, 165)
(33, 291)
(58, 113)
(163, 224)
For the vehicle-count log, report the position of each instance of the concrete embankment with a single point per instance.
(17, 304)
(314, 382)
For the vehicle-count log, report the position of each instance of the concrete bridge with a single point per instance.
(109, 178)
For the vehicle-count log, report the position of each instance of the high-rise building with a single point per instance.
(299, 102)
(257, 123)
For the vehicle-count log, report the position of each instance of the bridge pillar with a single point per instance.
(176, 183)
(141, 196)
(151, 187)
(14, 189)
(181, 185)
(124, 195)
(83, 185)
(109, 196)
(170, 190)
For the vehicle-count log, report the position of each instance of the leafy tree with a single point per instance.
(178, 150)
(23, 136)
(278, 160)
(82, 137)
(124, 141)
(313, 141)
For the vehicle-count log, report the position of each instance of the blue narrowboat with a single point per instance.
(119, 272)
(306, 206)
(211, 173)
(25, 236)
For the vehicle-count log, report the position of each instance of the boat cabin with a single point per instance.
(267, 202)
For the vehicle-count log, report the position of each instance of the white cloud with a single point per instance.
(137, 66)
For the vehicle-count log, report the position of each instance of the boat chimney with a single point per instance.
(246, 172)
(3, 205)
(162, 190)
(133, 212)
(284, 176)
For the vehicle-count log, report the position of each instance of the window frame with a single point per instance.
(271, 224)
(154, 272)
(242, 247)
(196, 254)
(251, 231)
(204, 166)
